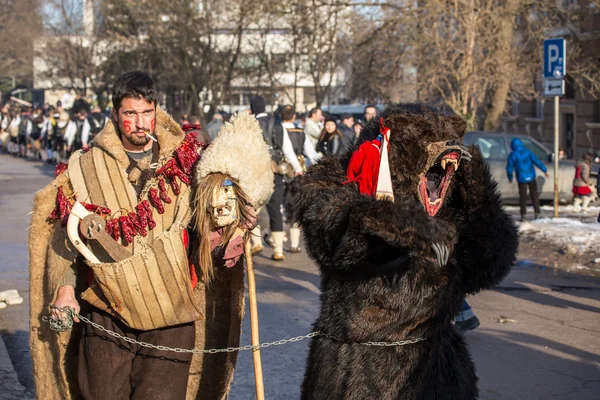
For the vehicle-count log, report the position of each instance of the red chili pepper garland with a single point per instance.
(142, 217)
(60, 168)
(162, 191)
(126, 228)
(63, 207)
(96, 209)
(113, 229)
(150, 218)
(135, 221)
(156, 201)
(181, 166)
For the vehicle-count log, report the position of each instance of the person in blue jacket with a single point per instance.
(521, 160)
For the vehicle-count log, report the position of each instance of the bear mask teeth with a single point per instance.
(434, 184)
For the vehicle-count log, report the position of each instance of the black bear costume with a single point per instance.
(399, 270)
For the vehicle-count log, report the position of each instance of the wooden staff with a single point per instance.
(258, 376)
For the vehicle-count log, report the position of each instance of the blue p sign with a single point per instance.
(555, 62)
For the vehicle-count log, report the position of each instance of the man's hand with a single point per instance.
(546, 175)
(85, 147)
(65, 298)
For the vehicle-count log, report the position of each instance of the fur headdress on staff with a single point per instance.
(238, 158)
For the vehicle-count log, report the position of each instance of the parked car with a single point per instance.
(495, 148)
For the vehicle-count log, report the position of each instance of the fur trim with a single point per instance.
(240, 151)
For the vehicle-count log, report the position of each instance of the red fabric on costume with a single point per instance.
(186, 243)
(582, 190)
(234, 249)
(363, 167)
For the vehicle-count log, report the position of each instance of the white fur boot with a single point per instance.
(277, 246)
(294, 239)
(257, 245)
(577, 204)
(586, 203)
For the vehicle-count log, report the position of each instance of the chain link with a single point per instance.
(61, 323)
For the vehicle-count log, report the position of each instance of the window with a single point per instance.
(535, 149)
(492, 147)
(539, 108)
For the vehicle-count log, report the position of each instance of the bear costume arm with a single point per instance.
(487, 237)
(344, 229)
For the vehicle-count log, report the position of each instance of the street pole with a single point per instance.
(556, 120)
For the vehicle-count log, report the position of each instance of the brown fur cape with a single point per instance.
(50, 254)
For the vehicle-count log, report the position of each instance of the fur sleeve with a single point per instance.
(487, 237)
(344, 229)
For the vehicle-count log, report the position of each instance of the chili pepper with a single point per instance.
(181, 175)
(191, 127)
(126, 228)
(60, 168)
(168, 165)
(135, 221)
(132, 224)
(96, 209)
(110, 226)
(149, 217)
(63, 207)
(163, 191)
(175, 186)
(151, 222)
(142, 215)
(156, 202)
(116, 232)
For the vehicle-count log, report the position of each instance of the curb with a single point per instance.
(10, 387)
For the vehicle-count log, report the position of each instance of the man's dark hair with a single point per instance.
(287, 112)
(257, 105)
(370, 106)
(313, 112)
(134, 84)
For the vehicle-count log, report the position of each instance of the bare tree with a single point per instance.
(305, 39)
(472, 56)
(71, 51)
(382, 69)
(20, 26)
(189, 47)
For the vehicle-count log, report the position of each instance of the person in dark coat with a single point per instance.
(330, 140)
(522, 160)
(347, 130)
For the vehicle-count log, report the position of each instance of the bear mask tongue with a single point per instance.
(433, 190)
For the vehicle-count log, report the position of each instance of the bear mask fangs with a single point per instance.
(434, 183)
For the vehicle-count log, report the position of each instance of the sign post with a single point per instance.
(555, 65)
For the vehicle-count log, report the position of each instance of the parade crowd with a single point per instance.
(296, 140)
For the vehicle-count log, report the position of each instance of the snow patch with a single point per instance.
(574, 236)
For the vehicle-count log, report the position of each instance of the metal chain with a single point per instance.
(62, 323)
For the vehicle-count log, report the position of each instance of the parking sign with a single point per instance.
(555, 62)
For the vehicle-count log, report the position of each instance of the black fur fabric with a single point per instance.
(379, 277)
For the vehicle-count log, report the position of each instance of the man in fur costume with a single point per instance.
(139, 180)
(401, 232)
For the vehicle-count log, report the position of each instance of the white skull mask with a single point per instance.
(224, 205)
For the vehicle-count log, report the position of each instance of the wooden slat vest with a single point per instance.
(152, 288)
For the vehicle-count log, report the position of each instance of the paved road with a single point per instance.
(550, 351)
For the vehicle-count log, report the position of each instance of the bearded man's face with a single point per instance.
(135, 118)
